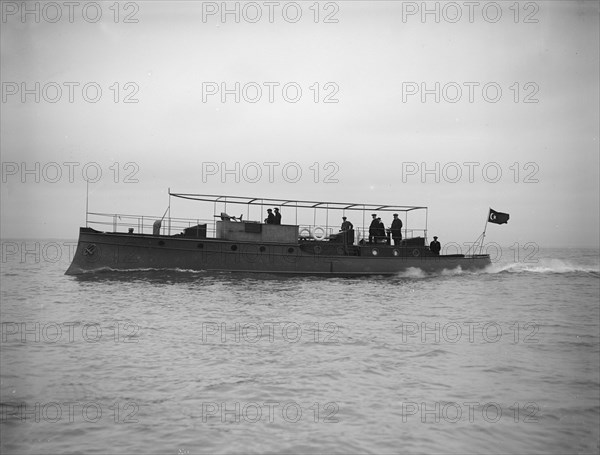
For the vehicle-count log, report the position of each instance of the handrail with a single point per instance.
(145, 222)
(141, 223)
(157, 217)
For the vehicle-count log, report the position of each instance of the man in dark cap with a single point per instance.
(277, 216)
(435, 246)
(347, 231)
(396, 229)
(270, 219)
(373, 229)
(346, 225)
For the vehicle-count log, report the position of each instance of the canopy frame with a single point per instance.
(303, 204)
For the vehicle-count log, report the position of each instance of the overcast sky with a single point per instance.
(517, 100)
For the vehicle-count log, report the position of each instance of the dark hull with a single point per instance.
(97, 251)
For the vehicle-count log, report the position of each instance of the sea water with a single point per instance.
(505, 360)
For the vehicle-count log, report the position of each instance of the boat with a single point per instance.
(313, 244)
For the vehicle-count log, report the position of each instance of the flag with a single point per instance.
(497, 217)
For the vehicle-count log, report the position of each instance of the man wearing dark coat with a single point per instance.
(347, 231)
(396, 229)
(346, 225)
(373, 229)
(277, 216)
(435, 246)
(270, 219)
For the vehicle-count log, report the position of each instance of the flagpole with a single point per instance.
(484, 229)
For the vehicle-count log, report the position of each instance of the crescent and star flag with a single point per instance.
(498, 217)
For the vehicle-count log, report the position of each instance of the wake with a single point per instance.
(542, 266)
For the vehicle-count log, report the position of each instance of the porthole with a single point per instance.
(291, 250)
(396, 252)
(374, 251)
(317, 250)
(161, 242)
(200, 245)
(233, 247)
(262, 249)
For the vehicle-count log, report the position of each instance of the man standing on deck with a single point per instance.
(435, 246)
(396, 229)
(277, 216)
(347, 231)
(270, 219)
(346, 225)
(373, 228)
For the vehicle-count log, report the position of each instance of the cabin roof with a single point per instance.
(262, 201)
